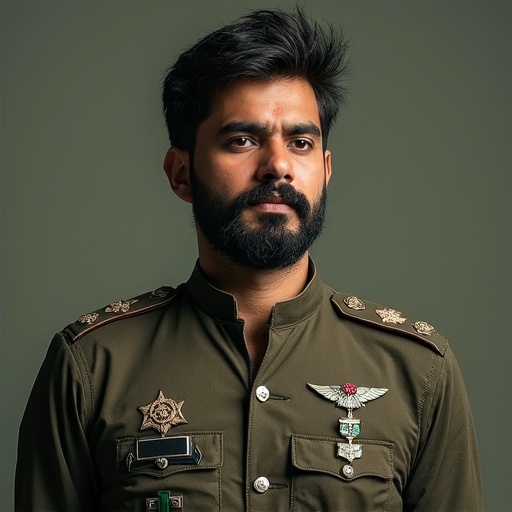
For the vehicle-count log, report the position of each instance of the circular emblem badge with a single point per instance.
(162, 414)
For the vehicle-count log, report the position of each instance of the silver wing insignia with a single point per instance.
(348, 395)
(362, 396)
(332, 393)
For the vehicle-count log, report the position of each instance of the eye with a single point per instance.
(302, 144)
(241, 142)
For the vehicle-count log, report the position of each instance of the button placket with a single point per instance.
(261, 484)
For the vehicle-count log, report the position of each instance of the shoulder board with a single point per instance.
(388, 319)
(121, 309)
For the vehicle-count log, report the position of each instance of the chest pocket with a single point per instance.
(323, 481)
(195, 476)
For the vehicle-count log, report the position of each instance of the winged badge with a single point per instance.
(349, 396)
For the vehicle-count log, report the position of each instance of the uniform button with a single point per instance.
(161, 463)
(261, 484)
(348, 471)
(262, 393)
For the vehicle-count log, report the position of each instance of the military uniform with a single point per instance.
(151, 404)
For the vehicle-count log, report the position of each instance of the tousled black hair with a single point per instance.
(264, 45)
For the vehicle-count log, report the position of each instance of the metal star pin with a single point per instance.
(162, 414)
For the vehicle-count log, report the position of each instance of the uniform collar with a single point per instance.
(221, 305)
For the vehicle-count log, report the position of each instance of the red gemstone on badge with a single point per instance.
(349, 389)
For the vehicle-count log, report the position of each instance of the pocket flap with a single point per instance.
(205, 453)
(314, 453)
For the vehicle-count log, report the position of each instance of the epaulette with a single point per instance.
(388, 319)
(121, 309)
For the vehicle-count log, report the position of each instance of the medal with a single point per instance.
(349, 397)
(162, 414)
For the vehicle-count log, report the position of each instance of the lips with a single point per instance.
(274, 199)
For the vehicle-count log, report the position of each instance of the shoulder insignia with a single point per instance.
(121, 309)
(388, 319)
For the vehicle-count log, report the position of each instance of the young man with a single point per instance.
(253, 386)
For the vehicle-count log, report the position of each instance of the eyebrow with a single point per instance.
(257, 128)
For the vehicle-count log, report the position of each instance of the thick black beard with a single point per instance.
(271, 246)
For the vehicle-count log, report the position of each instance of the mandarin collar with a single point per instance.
(222, 305)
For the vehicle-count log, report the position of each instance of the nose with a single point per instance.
(275, 164)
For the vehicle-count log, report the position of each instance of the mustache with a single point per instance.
(289, 195)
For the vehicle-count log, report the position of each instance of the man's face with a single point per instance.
(259, 174)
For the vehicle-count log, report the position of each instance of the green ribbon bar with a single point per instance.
(164, 501)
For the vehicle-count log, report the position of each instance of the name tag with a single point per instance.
(161, 452)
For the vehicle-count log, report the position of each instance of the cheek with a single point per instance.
(311, 183)
(224, 172)
(220, 181)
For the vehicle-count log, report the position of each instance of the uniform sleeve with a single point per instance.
(55, 470)
(446, 474)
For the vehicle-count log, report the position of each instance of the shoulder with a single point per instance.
(388, 319)
(119, 310)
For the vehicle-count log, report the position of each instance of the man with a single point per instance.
(253, 386)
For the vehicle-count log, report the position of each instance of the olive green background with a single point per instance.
(419, 214)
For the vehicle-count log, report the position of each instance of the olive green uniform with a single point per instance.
(173, 365)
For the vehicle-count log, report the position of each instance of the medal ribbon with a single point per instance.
(164, 501)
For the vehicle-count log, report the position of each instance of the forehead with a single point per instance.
(272, 102)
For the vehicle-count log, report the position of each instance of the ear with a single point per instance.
(177, 170)
(327, 166)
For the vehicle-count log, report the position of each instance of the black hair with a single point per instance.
(263, 45)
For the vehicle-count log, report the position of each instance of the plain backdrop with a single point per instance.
(419, 205)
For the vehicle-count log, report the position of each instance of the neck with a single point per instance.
(256, 293)
(255, 289)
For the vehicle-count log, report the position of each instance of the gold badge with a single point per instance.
(158, 294)
(390, 316)
(423, 328)
(353, 302)
(88, 319)
(121, 306)
(162, 414)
